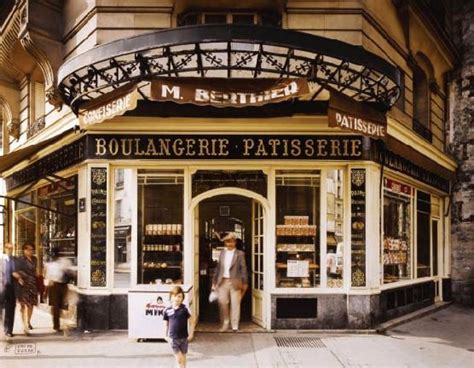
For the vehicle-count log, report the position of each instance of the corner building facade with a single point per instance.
(134, 133)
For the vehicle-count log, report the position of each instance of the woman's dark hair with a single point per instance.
(26, 245)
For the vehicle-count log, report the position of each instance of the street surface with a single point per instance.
(441, 339)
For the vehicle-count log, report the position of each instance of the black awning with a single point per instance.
(13, 158)
(228, 51)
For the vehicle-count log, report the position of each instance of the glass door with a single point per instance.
(257, 263)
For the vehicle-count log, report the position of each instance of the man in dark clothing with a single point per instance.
(7, 265)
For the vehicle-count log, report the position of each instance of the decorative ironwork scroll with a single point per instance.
(229, 51)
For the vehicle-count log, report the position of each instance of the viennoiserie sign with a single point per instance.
(227, 92)
(350, 115)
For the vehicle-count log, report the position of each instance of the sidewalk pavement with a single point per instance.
(441, 339)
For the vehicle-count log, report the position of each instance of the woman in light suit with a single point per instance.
(230, 280)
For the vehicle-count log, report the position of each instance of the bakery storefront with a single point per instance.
(233, 129)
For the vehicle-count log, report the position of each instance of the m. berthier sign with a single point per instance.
(223, 92)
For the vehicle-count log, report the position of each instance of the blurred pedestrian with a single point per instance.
(57, 276)
(26, 286)
(8, 299)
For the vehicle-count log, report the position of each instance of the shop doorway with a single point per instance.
(213, 218)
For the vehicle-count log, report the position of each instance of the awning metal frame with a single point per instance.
(229, 51)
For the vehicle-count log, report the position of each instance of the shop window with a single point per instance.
(396, 256)
(335, 228)
(423, 234)
(25, 223)
(297, 219)
(59, 224)
(160, 224)
(123, 197)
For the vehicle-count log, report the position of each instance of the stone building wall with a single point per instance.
(462, 145)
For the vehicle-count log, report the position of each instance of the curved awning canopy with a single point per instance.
(229, 51)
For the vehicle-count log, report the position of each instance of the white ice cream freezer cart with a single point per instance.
(146, 304)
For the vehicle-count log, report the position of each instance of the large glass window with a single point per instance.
(297, 219)
(160, 222)
(123, 187)
(396, 231)
(335, 228)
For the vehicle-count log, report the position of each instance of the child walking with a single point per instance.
(178, 325)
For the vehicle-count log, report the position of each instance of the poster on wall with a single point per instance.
(358, 225)
(98, 226)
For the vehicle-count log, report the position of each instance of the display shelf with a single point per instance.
(62, 239)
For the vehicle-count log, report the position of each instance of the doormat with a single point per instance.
(298, 342)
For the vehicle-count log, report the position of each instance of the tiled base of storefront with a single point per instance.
(288, 311)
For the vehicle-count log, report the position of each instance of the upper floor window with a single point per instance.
(421, 106)
(194, 18)
(423, 74)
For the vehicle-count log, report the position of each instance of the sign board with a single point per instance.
(198, 147)
(297, 268)
(348, 114)
(145, 310)
(397, 187)
(108, 106)
(225, 92)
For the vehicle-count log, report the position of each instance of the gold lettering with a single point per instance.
(309, 148)
(113, 147)
(248, 145)
(261, 151)
(100, 149)
(138, 151)
(178, 148)
(165, 147)
(335, 147)
(126, 144)
(274, 143)
(355, 145)
(322, 144)
(190, 143)
(151, 149)
(295, 147)
(223, 147)
(203, 145)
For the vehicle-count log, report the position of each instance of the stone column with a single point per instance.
(461, 139)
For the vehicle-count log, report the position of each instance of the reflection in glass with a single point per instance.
(160, 224)
(123, 187)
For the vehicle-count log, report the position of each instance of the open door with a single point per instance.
(196, 287)
(257, 264)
